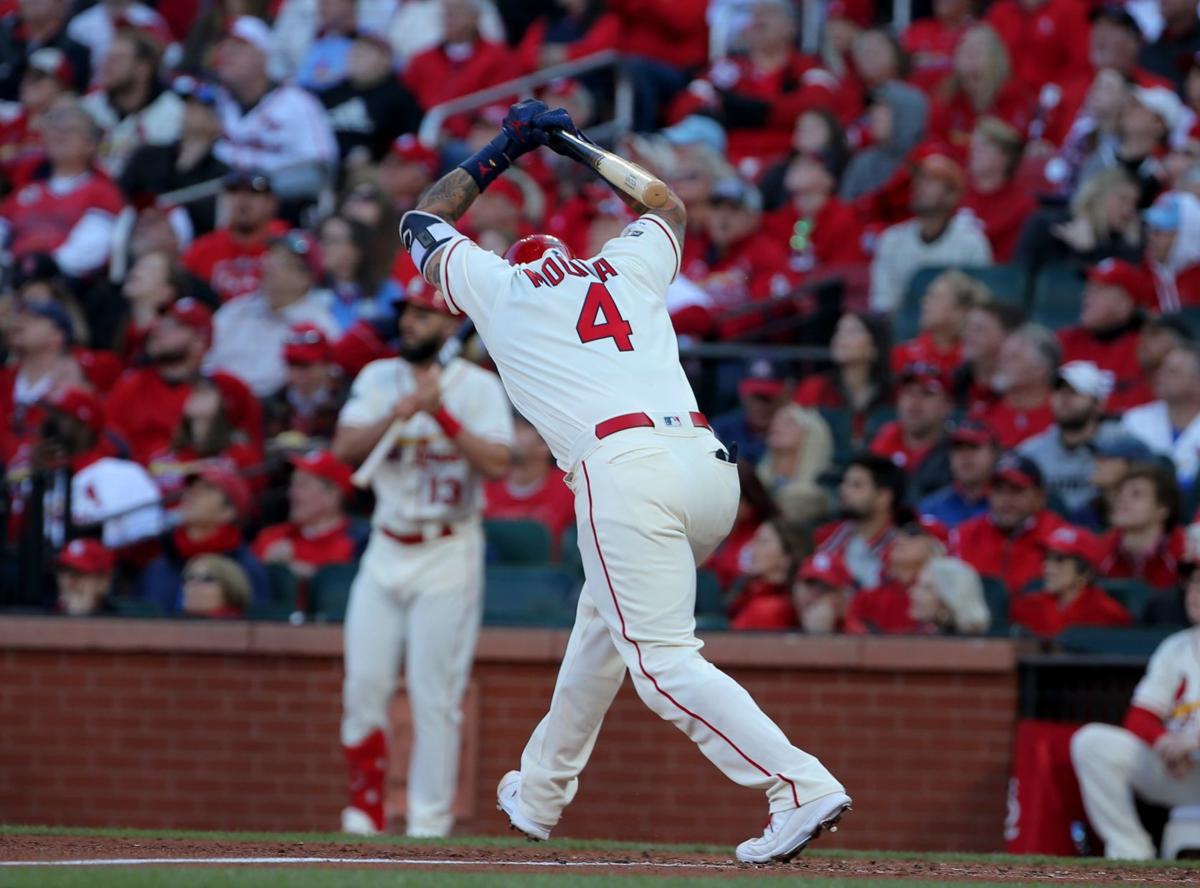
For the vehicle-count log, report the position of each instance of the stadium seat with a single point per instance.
(269, 612)
(136, 608)
(1133, 595)
(1007, 283)
(329, 592)
(1057, 296)
(284, 585)
(709, 600)
(1131, 642)
(877, 419)
(513, 541)
(995, 594)
(841, 426)
(568, 549)
(529, 596)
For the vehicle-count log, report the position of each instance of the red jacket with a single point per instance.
(1042, 614)
(883, 610)
(335, 546)
(1048, 44)
(40, 220)
(144, 409)
(834, 236)
(1074, 91)
(1015, 558)
(889, 442)
(1159, 568)
(1003, 215)
(1116, 353)
(930, 46)
(1013, 426)
(671, 31)
(1187, 290)
(953, 120)
(731, 559)
(433, 77)
(762, 605)
(231, 266)
(921, 349)
(551, 504)
(755, 269)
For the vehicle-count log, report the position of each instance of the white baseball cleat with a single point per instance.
(358, 823)
(790, 831)
(508, 800)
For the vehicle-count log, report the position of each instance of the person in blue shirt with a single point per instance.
(973, 454)
(762, 391)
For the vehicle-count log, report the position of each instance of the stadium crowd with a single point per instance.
(200, 231)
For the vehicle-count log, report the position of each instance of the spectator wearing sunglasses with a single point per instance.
(215, 587)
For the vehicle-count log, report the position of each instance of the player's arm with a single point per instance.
(352, 443)
(673, 212)
(489, 458)
(448, 199)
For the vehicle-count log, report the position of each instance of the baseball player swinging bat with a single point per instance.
(617, 171)
(449, 351)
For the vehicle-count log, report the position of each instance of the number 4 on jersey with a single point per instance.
(601, 319)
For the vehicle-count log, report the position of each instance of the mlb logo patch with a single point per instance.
(672, 422)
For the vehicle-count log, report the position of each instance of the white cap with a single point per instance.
(1085, 378)
(1162, 102)
(252, 30)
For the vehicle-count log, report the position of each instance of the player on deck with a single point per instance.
(418, 595)
(586, 351)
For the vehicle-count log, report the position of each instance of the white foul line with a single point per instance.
(406, 861)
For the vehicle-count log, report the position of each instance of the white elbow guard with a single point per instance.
(422, 234)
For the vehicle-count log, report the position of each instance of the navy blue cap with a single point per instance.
(1123, 447)
(51, 311)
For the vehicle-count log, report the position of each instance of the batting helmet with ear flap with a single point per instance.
(534, 247)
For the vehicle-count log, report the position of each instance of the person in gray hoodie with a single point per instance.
(898, 117)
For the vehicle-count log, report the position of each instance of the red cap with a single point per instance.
(534, 247)
(1131, 279)
(928, 376)
(306, 344)
(409, 149)
(190, 313)
(86, 556)
(972, 431)
(80, 405)
(422, 294)
(325, 466)
(828, 569)
(1075, 542)
(1019, 471)
(509, 190)
(858, 11)
(939, 165)
(229, 483)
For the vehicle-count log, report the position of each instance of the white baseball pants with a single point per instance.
(422, 603)
(1114, 765)
(650, 504)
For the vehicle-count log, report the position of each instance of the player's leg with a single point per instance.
(444, 620)
(636, 511)
(374, 641)
(1114, 766)
(590, 676)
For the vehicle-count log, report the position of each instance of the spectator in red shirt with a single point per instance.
(886, 609)
(1025, 375)
(916, 440)
(1173, 249)
(869, 496)
(317, 531)
(1044, 37)
(1109, 330)
(860, 379)
(1146, 542)
(68, 208)
(758, 94)
(930, 42)
(464, 62)
(985, 329)
(230, 259)
(1008, 541)
(1069, 596)
(822, 594)
(308, 404)
(821, 230)
(993, 193)
(534, 489)
(146, 404)
(47, 79)
(981, 86)
(152, 284)
(944, 309)
(764, 600)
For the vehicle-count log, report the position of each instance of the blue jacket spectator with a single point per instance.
(973, 453)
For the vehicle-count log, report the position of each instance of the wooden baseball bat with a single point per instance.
(365, 472)
(616, 170)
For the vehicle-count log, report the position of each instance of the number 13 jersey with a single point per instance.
(577, 341)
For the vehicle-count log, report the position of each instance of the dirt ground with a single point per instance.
(536, 857)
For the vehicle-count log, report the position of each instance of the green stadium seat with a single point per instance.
(1133, 595)
(136, 608)
(269, 612)
(711, 622)
(995, 595)
(283, 585)
(709, 599)
(529, 596)
(1006, 282)
(877, 419)
(568, 548)
(1132, 642)
(517, 542)
(1057, 296)
(329, 592)
(841, 426)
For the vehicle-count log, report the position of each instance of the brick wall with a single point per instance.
(234, 726)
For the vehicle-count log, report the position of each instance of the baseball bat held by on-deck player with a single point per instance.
(616, 170)
(362, 477)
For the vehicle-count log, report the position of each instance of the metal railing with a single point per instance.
(622, 119)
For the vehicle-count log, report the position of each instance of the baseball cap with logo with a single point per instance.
(50, 61)
(306, 344)
(1085, 378)
(254, 31)
(1019, 471)
(1119, 273)
(409, 149)
(972, 432)
(1075, 542)
(928, 376)
(86, 556)
(247, 180)
(327, 467)
(230, 483)
(79, 405)
(828, 569)
(763, 378)
(191, 313)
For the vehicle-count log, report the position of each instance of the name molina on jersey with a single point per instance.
(555, 268)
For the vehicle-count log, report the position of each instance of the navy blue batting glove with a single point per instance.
(520, 125)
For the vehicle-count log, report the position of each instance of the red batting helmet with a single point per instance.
(534, 247)
(422, 294)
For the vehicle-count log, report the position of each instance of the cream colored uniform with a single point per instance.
(578, 342)
(420, 601)
(1114, 764)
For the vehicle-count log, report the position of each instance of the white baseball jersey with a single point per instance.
(577, 341)
(426, 478)
(1171, 686)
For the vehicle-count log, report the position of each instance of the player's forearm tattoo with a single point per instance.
(450, 196)
(674, 213)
